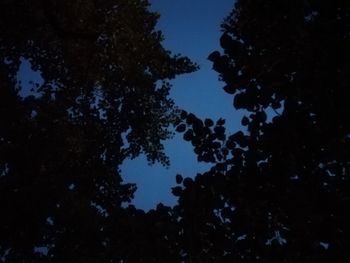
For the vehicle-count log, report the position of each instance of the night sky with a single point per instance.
(192, 28)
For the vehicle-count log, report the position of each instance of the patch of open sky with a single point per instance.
(29, 80)
(271, 112)
(191, 28)
(154, 182)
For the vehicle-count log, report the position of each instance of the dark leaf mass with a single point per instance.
(179, 179)
(104, 98)
(277, 191)
(280, 190)
(181, 128)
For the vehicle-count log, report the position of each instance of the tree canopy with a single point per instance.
(104, 98)
(278, 190)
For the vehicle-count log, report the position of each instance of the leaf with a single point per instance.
(230, 144)
(240, 101)
(219, 130)
(177, 190)
(226, 41)
(179, 179)
(183, 114)
(208, 123)
(214, 56)
(191, 118)
(245, 121)
(237, 136)
(196, 141)
(198, 127)
(220, 122)
(188, 135)
(181, 127)
(230, 89)
(188, 182)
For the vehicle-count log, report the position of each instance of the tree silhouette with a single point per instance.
(104, 98)
(279, 190)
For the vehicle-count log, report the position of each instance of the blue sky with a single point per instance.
(192, 28)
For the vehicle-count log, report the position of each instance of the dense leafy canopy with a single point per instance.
(278, 190)
(104, 98)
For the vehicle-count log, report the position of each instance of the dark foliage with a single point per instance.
(104, 98)
(280, 191)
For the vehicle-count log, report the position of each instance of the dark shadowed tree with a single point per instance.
(104, 98)
(278, 191)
